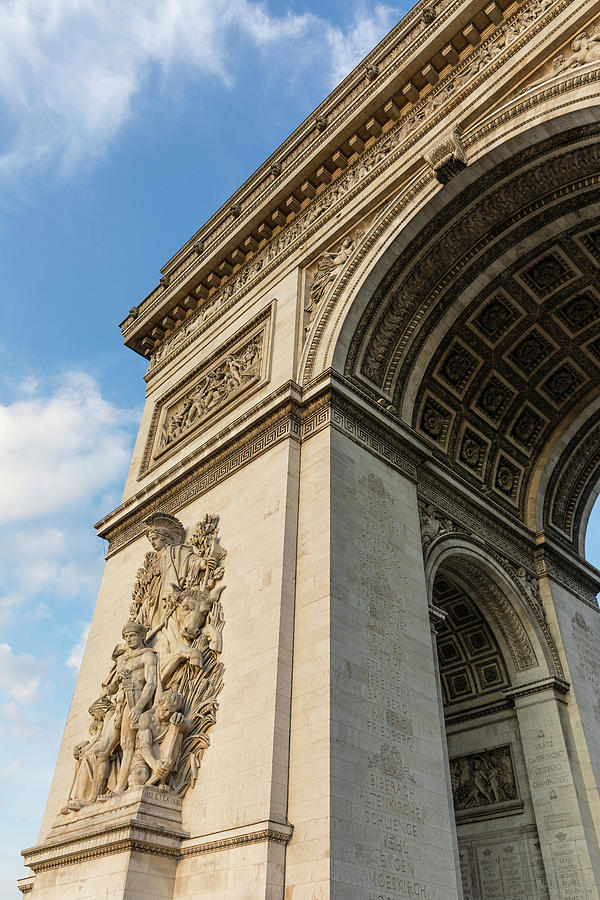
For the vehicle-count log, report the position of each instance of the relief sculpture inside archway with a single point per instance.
(498, 841)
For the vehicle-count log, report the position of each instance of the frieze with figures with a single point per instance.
(229, 376)
(219, 386)
(483, 779)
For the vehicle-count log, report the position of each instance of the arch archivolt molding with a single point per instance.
(472, 225)
(490, 213)
(520, 621)
(573, 478)
(514, 126)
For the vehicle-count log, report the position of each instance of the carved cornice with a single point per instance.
(291, 419)
(437, 616)
(501, 707)
(171, 493)
(558, 562)
(273, 832)
(340, 105)
(355, 423)
(491, 52)
(361, 84)
(146, 839)
(132, 837)
(558, 686)
(507, 537)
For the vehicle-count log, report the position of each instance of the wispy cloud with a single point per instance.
(59, 444)
(74, 73)
(19, 674)
(62, 446)
(71, 70)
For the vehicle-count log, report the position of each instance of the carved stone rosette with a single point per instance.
(158, 702)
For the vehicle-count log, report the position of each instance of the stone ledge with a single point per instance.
(493, 811)
(257, 832)
(558, 686)
(145, 820)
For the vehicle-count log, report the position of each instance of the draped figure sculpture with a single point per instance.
(158, 701)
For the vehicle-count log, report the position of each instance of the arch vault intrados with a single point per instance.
(483, 334)
(516, 619)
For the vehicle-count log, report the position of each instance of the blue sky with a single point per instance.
(122, 128)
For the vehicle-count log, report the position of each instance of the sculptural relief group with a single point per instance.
(158, 700)
(215, 388)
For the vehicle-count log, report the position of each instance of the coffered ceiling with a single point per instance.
(485, 332)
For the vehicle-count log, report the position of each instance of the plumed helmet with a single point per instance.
(167, 525)
(100, 707)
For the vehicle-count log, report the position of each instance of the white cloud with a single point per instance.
(62, 447)
(8, 608)
(39, 612)
(42, 558)
(19, 674)
(349, 47)
(76, 655)
(56, 449)
(19, 725)
(75, 71)
(71, 69)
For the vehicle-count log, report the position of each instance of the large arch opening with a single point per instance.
(475, 326)
(482, 332)
(498, 841)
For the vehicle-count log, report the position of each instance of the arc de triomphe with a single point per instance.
(347, 644)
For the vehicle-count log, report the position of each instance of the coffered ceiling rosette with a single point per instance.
(484, 335)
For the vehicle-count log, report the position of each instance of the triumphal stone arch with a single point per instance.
(347, 644)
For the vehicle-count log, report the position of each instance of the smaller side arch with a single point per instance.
(518, 620)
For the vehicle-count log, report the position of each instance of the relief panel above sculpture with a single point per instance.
(228, 377)
(482, 780)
